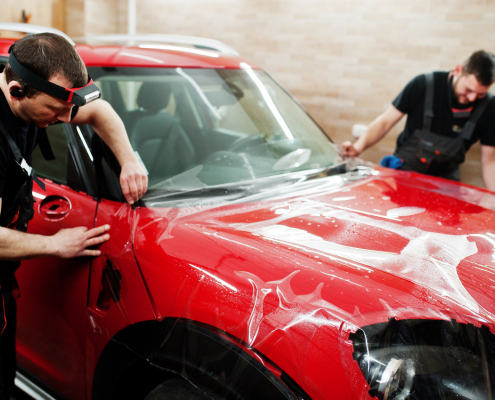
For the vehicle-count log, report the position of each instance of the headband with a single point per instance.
(77, 96)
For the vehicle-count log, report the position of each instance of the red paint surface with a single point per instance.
(53, 301)
(196, 246)
(119, 56)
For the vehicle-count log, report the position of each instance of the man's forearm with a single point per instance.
(375, 132)
(380, 126)
(111, 129)
(16, 245)
(489, 176)
(105, 121)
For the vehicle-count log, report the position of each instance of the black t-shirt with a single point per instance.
(25, 137)
(450, 115)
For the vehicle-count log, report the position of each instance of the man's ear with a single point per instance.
(457, 70)
(16, 90)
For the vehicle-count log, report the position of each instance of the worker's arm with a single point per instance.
(67, 243)
(375, 132)
(108, 125)
(488, 166)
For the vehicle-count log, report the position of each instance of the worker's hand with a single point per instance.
(134, 181)
(69, 243)
(348, 150)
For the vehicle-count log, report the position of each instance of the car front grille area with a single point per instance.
(420, 359)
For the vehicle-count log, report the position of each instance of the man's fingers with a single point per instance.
(97, 231)
(96, 240)
(145, 188)
(134, 181)
(133, 190)
(91, 253)
(125, 189)
(140, 187)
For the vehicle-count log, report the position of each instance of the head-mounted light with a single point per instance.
(77, 96)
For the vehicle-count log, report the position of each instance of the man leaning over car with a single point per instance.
(447, 112)
(24, 111)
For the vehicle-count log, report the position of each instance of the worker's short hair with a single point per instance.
(482, 65)
(47, 55)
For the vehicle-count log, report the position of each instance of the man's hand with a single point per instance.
(133, 180)
(348, 150)
(74, 242)
(108, 125)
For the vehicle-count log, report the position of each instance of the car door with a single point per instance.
(52, 307)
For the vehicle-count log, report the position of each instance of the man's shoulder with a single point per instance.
(438, 76)
(490, 109)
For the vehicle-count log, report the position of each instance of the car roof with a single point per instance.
(156, 55)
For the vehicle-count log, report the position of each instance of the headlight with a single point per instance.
(426, 359)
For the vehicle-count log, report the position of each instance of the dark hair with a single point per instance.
(482, 65)
(47, 55)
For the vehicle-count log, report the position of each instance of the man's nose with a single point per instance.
(472, 97)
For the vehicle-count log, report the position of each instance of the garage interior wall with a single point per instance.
(344, 60)
(43, 12)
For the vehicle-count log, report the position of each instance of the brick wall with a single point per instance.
(345, 60)
(44, 12)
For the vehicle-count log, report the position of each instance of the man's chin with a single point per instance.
(43, 125)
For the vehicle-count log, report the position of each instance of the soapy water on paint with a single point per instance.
(430, 259)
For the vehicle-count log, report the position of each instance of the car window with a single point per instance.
(197, 128)
(56, 170)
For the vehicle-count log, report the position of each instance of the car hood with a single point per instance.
(348, 252)
(424, 230)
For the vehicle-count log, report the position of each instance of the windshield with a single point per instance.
(196, 128)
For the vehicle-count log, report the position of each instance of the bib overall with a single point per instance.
(434, 154)
(14, 215)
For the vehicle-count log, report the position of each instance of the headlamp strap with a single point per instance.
(35, 81)
(77, 96)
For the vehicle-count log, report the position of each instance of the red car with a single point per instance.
(259, 265)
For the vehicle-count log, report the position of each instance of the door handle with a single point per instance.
(55, 207)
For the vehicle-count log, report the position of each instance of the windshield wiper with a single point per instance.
(239, 190)
(229, 192)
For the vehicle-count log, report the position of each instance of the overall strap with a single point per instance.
(428, 111)
(18, 157)
(478, 111)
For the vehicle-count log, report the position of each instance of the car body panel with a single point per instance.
(295, 275)
(53, 299)
(133, 56)
(117, 297)
(103, 56)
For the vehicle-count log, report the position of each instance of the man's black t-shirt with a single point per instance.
(450, 115)
(25, 137)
